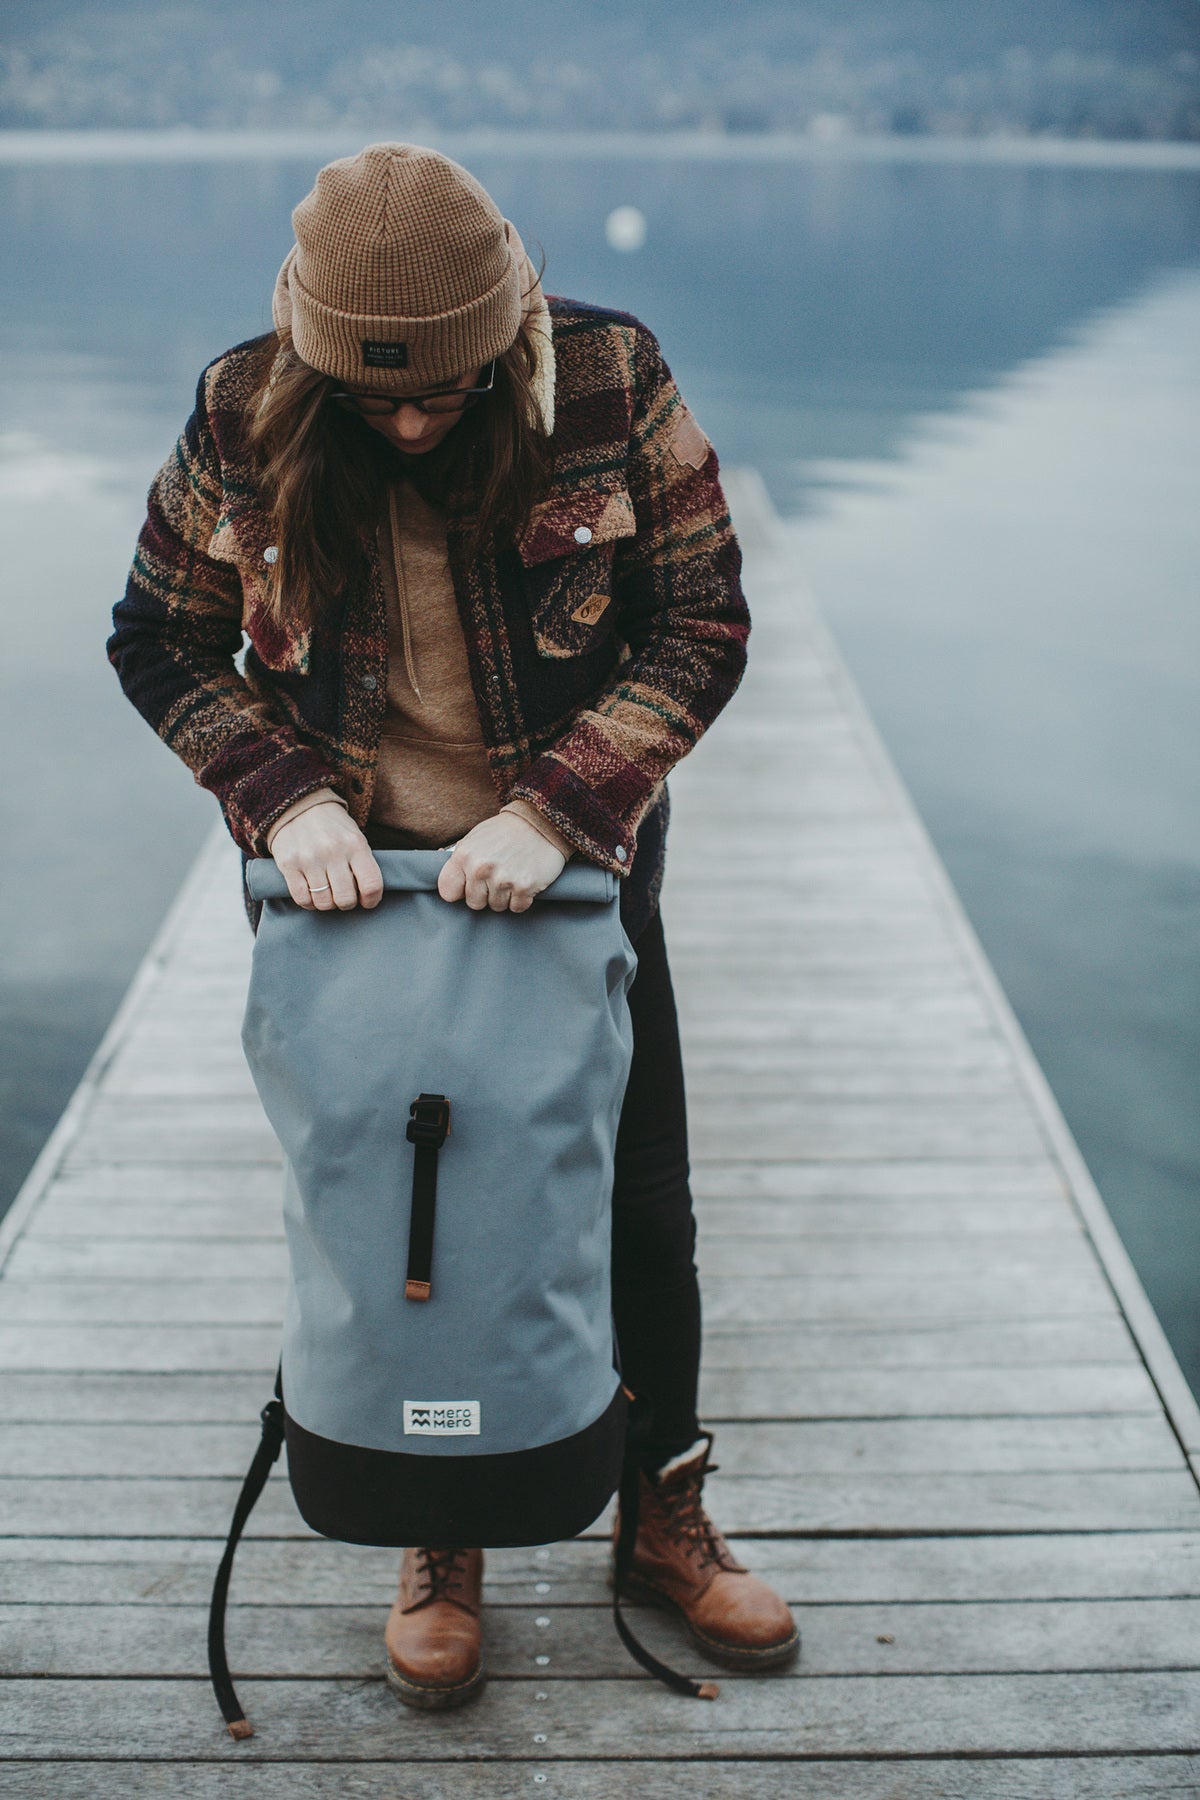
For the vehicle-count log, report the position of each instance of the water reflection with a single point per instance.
(1017, 596)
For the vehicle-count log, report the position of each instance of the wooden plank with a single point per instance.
(772, 1394)
(921, 1068)
(254, 1144)
(95, 1399)
(183, 1397)
(973, 1256)
(786, 1083)
(94, 1184)
(122, 1260)
(1067, 1293)
(830, 1345)
(943, 1259)
(861, 1502)
(305, 1641)
(1129, 1712)
(829, 1128)
(940, 1343)
(810, 1220)
(93, 1223)
(137, 1347)
(1162, 1777)
(1045, 1566)
(800, 1127)
(231, 1302)
(965, 1182)
(791, 1448)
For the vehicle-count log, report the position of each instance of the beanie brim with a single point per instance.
(435, 348)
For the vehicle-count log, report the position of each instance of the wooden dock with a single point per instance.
(948, 1424)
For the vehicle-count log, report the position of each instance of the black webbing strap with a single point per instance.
(428, 1129)
(628, 1497)
(265, 1456)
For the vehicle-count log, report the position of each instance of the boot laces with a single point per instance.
(687, 1517)
(438, 1569)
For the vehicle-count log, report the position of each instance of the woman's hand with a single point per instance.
(501, 863)
(327, 861)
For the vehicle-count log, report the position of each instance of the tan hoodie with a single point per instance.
(433, 777)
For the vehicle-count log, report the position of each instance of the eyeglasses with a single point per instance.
(383, 406)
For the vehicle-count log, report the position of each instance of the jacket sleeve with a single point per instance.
(677, 587)
(176, 632)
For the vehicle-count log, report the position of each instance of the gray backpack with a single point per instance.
(446, 1087)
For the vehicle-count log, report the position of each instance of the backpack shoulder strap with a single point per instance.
(270, 1444)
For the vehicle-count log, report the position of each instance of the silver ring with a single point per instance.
(323, 889)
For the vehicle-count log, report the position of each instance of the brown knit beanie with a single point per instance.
(404, 273)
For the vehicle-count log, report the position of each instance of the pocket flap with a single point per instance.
(557, 524)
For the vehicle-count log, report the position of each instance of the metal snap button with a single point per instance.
(271, 553)
(369, 681)
(583, 534)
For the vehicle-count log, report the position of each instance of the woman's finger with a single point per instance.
(368, 876)
(477, 896)
(342, 885)
(298, 888)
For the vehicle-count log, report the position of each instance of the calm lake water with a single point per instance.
(978, 389)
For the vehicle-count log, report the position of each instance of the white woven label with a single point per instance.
(441, 1418)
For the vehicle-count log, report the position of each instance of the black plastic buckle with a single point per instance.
(429, 1121)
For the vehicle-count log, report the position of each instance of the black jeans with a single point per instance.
(656, 1295)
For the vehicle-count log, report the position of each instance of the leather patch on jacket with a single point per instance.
(590, 611)
(689, 444)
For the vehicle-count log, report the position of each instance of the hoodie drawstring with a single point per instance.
(401, 594)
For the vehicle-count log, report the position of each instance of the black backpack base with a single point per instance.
(499, 1501)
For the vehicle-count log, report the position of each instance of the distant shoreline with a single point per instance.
(185, 144)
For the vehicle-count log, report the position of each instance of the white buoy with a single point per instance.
(625, 228)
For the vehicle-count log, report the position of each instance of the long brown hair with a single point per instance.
(324, 471)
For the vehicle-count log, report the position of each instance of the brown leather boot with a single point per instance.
(681, 1561)
(432, 1633)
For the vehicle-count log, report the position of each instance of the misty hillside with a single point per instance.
(1111, 68)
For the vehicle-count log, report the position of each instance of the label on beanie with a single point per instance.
(441, 1418)
(378, 355)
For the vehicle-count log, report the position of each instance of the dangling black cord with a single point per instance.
(636, 1432)
(270, 1444)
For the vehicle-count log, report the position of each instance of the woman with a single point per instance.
(480, 551)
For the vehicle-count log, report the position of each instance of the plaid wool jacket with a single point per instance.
(600, 645)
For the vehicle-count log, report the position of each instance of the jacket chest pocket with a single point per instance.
(245, 543)
(567, 557)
